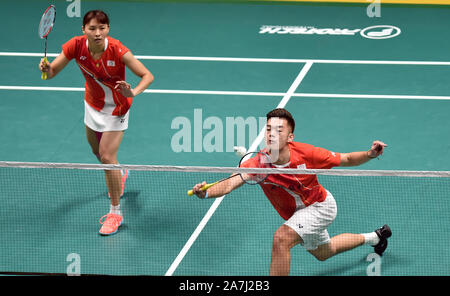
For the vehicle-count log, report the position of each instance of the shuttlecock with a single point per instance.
(240, 151)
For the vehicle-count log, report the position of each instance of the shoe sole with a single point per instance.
(383, 235)
(386, 231)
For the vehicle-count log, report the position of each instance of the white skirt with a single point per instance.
(102, 122)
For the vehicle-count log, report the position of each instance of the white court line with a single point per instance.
(269, 60)
(217, 202)
(27, 54)
(361, 96)
(214, 92)
(157, 91)
(40, 88)
(260, 60)
(239, 93)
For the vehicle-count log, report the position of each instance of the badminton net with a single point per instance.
(49, 219)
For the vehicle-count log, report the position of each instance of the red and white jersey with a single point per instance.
(288, 193)
(101, 75)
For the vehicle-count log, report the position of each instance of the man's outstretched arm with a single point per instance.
(360, 157)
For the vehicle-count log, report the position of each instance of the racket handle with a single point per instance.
(204, 188)
(44, 74)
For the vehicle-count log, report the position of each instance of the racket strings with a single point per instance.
(264, 162)
(47, 21)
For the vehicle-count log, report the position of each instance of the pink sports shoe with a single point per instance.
(110, 223)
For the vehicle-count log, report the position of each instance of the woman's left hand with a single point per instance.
(124, 88)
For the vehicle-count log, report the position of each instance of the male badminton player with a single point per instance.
(307, 207)
(108, 98)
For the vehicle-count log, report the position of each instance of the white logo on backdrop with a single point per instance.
(373, 32)
(380, 32)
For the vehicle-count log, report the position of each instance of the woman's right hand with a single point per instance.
(44, 65)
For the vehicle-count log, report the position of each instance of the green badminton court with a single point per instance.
(347, 78)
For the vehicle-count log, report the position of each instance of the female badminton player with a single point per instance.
(307, 207)
(108, 98)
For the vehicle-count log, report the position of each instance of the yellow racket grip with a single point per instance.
(204, 188)
(44, 74)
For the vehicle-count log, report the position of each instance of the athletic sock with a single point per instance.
(371, 238)
(115, 210)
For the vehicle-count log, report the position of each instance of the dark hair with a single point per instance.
(99, 15)
(282, 113)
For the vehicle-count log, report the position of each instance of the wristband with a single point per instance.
(206, 196)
